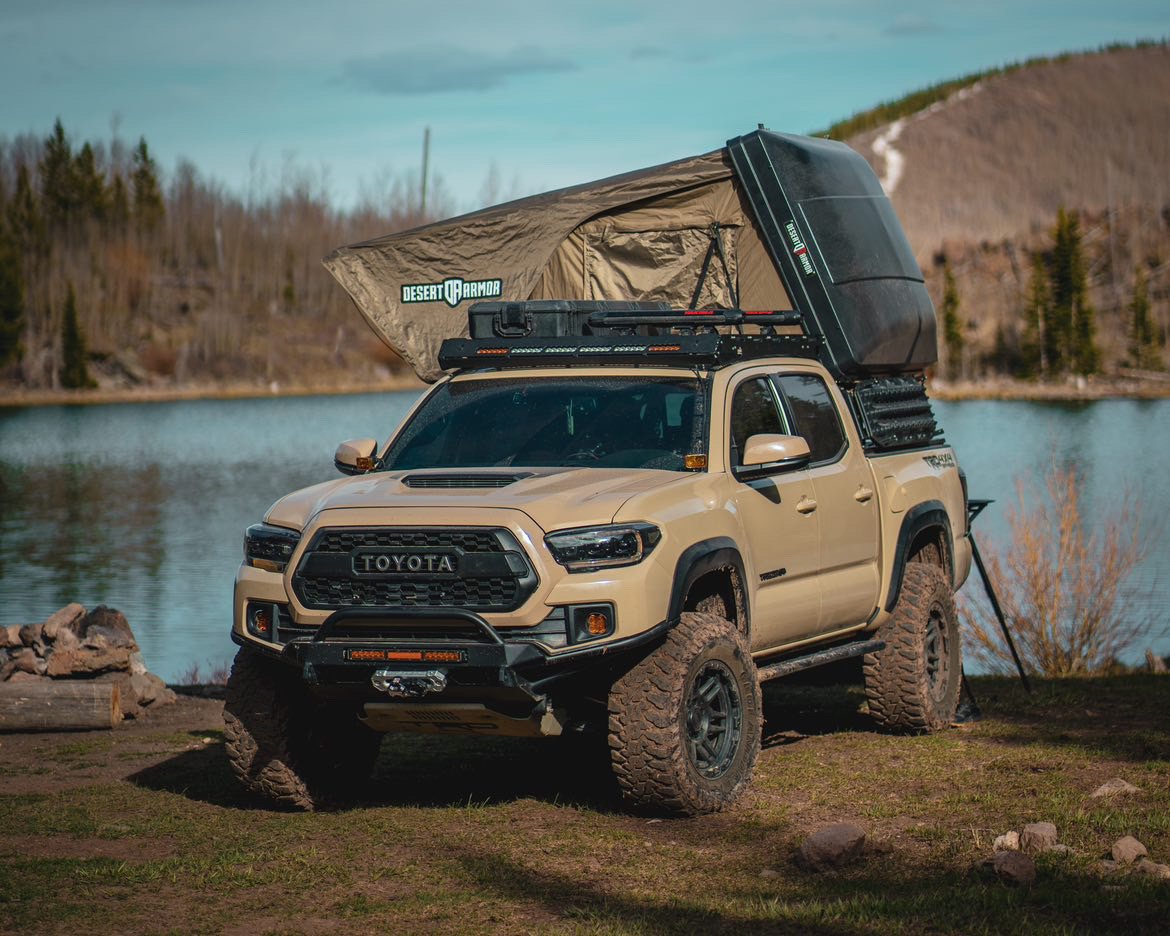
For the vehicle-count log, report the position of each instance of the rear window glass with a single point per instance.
(815, 415)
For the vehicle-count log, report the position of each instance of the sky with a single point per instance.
(549, 93)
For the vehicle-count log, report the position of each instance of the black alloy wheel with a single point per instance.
(714, 720)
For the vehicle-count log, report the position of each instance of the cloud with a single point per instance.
(912, 24)
(647, 52)
(447, 68)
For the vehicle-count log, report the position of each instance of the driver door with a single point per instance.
(781, 533)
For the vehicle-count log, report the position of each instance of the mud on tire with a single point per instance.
(684, 723)
(287, 747)
(913, 684)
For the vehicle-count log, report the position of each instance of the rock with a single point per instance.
(1154, 869)
(87, 661)
(1037, 836)
(769, 873)
(1128, 850)
(21, 676)
(1015, 868)
(110, 626)
(66, 639)
(1009, 841)
(68, 619)
(1108, 866)
(26, 661)
(30, 636)
(12, 635)
(833, 846)
(137, 664)
(1063, 850)
(1113, 788)
(147, 687)
(4, 640)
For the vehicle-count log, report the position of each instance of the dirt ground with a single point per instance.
(143, 830)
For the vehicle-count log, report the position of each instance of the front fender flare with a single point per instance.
(709, 555)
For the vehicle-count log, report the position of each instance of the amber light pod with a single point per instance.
(597, 624)
(695, 462)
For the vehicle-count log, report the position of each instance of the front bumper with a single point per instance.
(513, 676)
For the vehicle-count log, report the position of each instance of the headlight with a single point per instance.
(603, 547)
(269, 547)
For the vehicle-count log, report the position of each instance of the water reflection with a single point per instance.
(143, 506)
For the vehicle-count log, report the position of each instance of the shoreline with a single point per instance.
(1154, 388)
(12, 398)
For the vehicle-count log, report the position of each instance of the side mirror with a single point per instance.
(768, 453)
(356, 456)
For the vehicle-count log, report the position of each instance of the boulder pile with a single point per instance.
(74, 644)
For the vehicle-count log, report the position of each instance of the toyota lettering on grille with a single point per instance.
(374, 562)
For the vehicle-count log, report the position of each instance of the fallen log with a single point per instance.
(59, 706)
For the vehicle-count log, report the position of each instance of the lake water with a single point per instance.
(143, 506)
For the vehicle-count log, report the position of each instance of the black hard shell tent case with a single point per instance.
(840, 250)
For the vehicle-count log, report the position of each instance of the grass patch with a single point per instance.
(499, 835)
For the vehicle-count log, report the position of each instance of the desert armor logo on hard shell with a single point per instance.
(799, 250)
(453, 290)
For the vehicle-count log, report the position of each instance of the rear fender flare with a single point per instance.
(919, 519)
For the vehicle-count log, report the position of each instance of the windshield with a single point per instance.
(607, 422)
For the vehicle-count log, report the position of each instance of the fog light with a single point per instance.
(260, 621)
(591, 621)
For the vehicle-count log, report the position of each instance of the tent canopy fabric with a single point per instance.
(642, 235)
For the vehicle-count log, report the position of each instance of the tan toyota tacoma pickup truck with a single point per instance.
(615, 515)
(632, 544)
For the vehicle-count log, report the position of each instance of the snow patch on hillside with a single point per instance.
(883, 144)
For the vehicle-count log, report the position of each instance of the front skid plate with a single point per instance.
(458, 718)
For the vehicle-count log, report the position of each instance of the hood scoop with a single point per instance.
(448, 481)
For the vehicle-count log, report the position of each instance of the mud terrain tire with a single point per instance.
(287, 747)
(684, 723)
(913, 684)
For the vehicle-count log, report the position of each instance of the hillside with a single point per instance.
(978, 174)
(997, 159)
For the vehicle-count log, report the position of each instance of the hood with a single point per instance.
(555, 498)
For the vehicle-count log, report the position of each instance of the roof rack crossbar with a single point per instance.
(695, 318)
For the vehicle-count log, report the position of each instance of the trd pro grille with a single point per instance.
(473, 568)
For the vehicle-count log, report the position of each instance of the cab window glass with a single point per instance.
(815, 415)
(753, 410)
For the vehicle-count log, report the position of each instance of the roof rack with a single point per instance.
(563, 332)
(712, 350)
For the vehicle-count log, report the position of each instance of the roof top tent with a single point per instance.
(771, 222)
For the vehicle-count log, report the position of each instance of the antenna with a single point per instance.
(422, 199)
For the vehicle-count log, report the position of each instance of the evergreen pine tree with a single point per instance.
(1143, 339)
(59, 191)
(11, 293)
(1033, 358)
(91, 187)
(1071, 328)
(952, 327)
(147, 196)
(74, 372)
(118, 215)
(26, 224)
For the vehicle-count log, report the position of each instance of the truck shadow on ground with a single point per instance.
(457, 770)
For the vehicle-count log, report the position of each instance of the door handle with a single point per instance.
(862, 494)
(806, 505)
